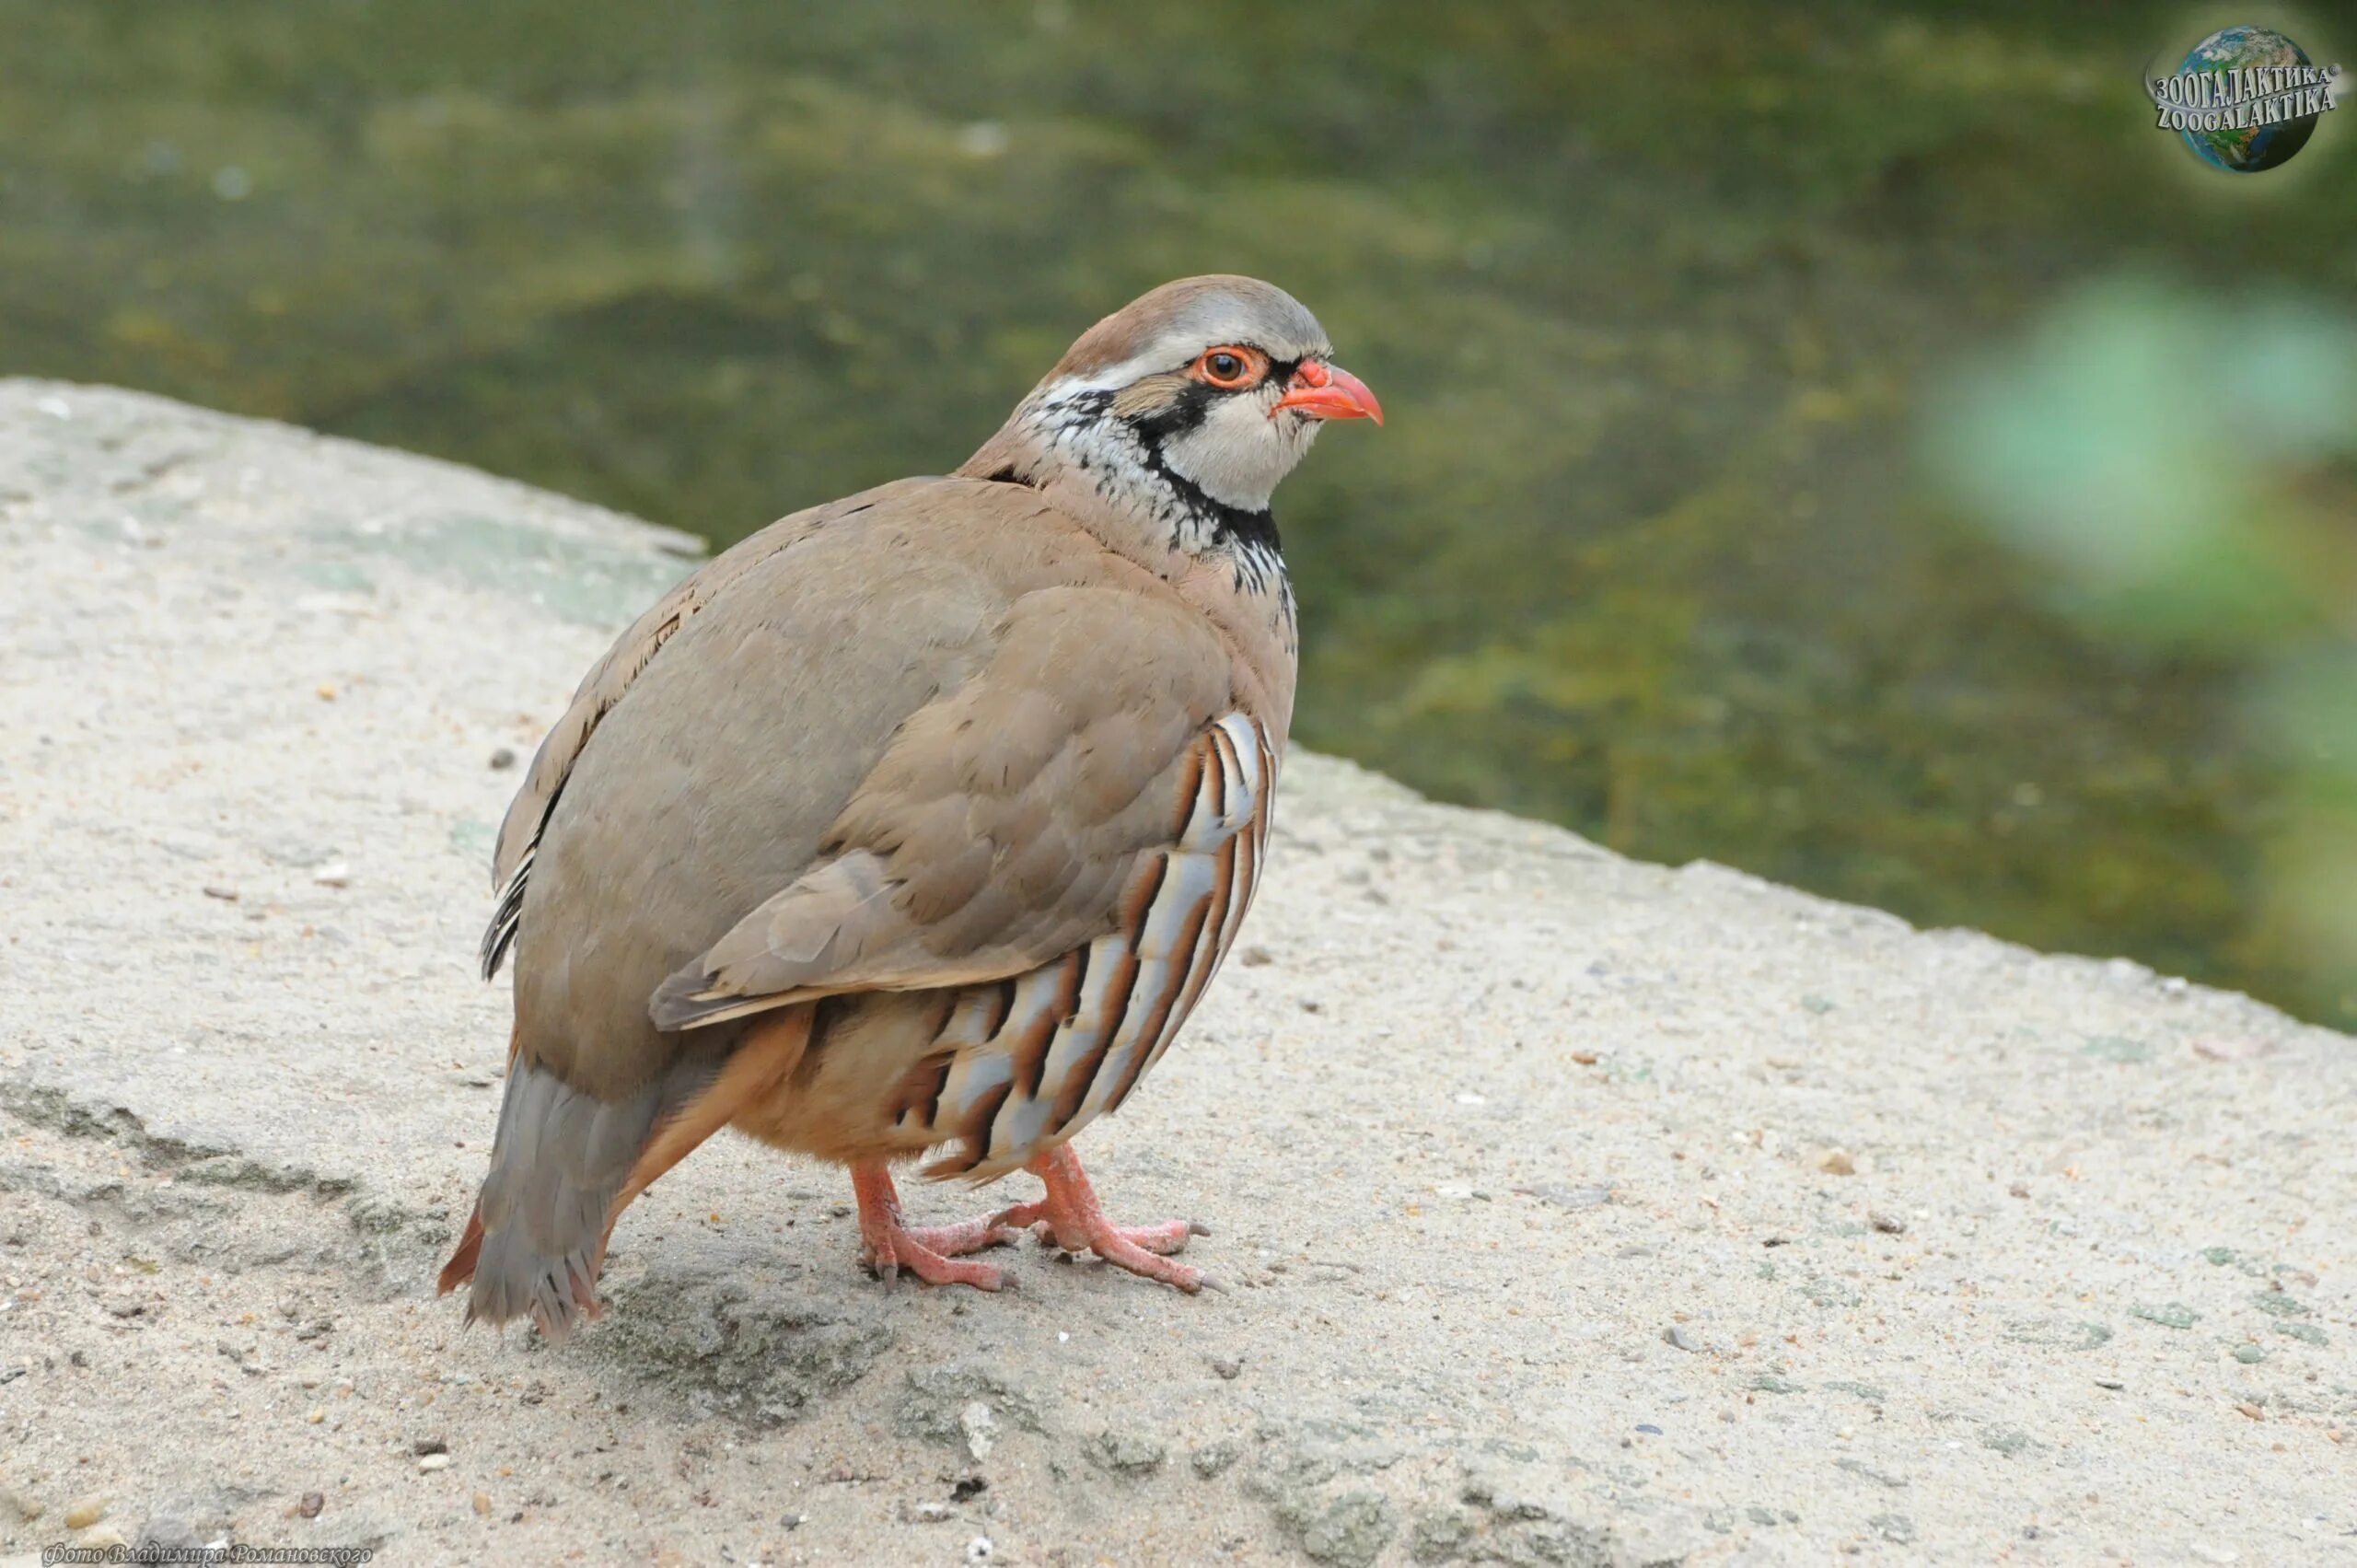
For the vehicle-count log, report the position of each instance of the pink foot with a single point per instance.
(1068, 1215)
(931, 1254)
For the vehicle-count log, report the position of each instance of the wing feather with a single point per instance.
(1005, 824)
(608, 679)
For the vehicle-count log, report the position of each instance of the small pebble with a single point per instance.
(425, 1445)
(483, 1503)
(1228, 1367)
(434, 1462)
(227, 895)
(1678, 1339)
(334, 873)
(311, 1504)
(85, 1512)
(1837, 1161)
(978, 1550)
(2019, 1189)
(505, 757)
(1889, 1225)
(981, 1429)
(167, 1533)
(1213, 1458)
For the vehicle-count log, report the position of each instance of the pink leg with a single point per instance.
(1070, 1216)
(887, 1246)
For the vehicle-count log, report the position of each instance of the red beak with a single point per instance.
(1329, 391)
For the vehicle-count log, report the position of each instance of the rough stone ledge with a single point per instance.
(1579, 1211)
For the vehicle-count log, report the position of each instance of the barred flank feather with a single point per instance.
(1027, 1064)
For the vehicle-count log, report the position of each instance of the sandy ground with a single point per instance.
(1578, 1211)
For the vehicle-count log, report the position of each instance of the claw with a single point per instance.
(931, 1254)
(1069, 1216)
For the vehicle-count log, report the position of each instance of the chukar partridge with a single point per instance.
(917, 821)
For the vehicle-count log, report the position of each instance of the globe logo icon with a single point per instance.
(2245, 99)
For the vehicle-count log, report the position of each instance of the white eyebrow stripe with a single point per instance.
(1171, 353)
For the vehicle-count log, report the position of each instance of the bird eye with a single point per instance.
(1230, 368)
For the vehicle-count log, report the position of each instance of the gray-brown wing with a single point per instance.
(1011, 818)
(608, 679)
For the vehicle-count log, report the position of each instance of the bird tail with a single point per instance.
(533, 1245)
(565, 1163)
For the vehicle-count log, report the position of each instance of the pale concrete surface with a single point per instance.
(1578, 1211)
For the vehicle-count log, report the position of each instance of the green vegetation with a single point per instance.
(1660, 302)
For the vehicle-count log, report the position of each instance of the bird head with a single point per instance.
(1193, 402)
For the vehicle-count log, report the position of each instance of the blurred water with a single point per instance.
(2186, 464)
(1655, 300)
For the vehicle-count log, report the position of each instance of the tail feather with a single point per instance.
(566, 1164)
(461, 1266)
(532, 1246)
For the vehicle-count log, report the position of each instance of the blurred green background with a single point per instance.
(1841, 439)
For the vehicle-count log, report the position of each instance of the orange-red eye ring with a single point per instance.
(1213, 368)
